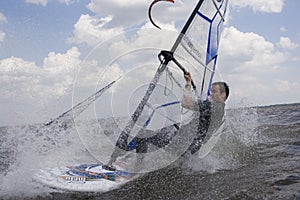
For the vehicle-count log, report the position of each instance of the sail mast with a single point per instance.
(186, 26)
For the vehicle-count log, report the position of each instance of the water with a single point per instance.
(257, 157)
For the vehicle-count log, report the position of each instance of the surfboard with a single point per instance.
(84, 177)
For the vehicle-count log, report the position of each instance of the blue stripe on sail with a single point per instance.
(211, 77)
(213, 36)
(204, 17)
(132, 144)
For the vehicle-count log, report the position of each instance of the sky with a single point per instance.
(45, 43)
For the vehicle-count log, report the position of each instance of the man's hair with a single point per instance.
(223, 88)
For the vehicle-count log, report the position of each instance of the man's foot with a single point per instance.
(109, 167)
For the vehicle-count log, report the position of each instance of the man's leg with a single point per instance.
(120, 149)
(141, 150)
(164, 136)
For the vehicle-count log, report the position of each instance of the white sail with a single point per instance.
(195, 51)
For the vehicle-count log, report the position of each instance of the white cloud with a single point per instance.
(250, 64)
(34, 94)
(2, 18)
(287, 86)
(275, 6)
(283, 29)
(29, 92)
(62, 63)
(125, 12)
(42, 2)
(26, 76)
(19, 80)
(286, 90)
(61, 68)
(67, 2)
(130, 13)
(250, 49)
(92, 30)
(286, 43)
(2, 36)
(143, 38)
(112, 17)
(16, 66)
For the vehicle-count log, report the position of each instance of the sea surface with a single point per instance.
(257, 157)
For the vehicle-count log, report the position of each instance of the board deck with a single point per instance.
(84, 178)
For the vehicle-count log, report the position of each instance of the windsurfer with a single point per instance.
(210, 117)
(211, 111)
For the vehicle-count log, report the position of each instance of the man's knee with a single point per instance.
(141, 146)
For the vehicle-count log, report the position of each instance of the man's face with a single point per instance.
(216, 95)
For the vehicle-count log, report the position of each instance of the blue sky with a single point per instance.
(42, 42)
(34, 30)
(268, 25)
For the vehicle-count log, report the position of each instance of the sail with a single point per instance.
(195, 50)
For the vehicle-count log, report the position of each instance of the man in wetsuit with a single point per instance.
(210, 117)
(211, 111)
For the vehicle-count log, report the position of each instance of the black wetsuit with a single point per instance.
(208, 119)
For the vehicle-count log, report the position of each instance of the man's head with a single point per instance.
(219, 91)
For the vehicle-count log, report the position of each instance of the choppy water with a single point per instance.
(257, 157)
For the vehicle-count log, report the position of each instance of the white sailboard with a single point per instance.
(84, 178)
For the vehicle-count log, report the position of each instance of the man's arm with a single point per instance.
(188, 100)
